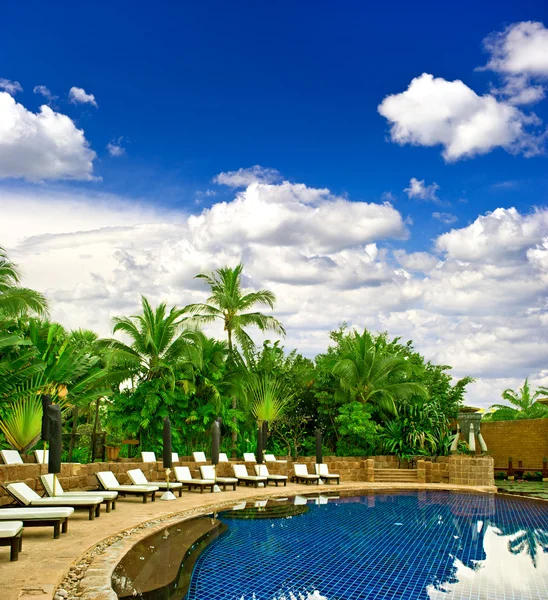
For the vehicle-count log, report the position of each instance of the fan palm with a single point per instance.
(525, 402)
(15, 300)
(268, 397)
(367, 372)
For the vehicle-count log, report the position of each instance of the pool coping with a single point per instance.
(91, 572)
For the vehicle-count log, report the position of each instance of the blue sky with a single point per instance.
(186, 91)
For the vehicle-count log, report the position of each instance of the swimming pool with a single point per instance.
(409, 546)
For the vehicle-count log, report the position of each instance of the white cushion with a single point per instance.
(302, 471)
(11, 457)
(10, 529)
(137, 477)
(249, 457)
(174, 457)
(148, 457)
(208, 472)
(321, 469)
(47, 482)
(241, 473)
(109, 481)
(182, 473)
(137, 488)
(199, 456)
(42, 456)
(22, 492)
(35, 514)
(223, 457)
(270, 457)
(262, 471)
(72, 501)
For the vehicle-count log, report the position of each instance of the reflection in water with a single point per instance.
(408, 546)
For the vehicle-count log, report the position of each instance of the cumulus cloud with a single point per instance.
(418, 190)
(446, 218)
(79, 96)
(436, 112)
(115, 147)
(44, 91)
(520, 55)
(11, 87)
(477, 302)
(43, 145)
(245, 177)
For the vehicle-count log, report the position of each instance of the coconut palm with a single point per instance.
(230, 304)
(15, 300)
(525, 404)
(367, 372)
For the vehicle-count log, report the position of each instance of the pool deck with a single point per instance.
(44, 562)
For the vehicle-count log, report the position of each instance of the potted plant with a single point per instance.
(112, 446)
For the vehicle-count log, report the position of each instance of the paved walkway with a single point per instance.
(44, 561)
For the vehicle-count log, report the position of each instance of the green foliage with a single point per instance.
(525, 402)
(357, 429)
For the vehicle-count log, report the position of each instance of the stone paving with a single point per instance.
(45, 562)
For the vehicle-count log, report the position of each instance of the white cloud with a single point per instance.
(245, 177)
(417, 189)
(11, 87)
(479, 306)
(43, 145)
(436, 112)
(79, 96)
(520, 55)
(115, 147)
(444, 217)
(44, 91)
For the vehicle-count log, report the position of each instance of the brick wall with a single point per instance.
(525, 440)
(464, 470)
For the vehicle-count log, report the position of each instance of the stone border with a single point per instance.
(89, 577)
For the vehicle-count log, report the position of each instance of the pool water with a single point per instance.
(408, 546)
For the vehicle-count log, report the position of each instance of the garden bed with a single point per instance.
(531, 489)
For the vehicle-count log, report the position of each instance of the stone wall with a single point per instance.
(525, 440)
(464, 470)
(434, 472)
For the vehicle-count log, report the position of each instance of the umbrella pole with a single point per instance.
(54, 482)
(168, 495)
(216, 488)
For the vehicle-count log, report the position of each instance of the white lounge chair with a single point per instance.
(11, 457)
(148, 457)
(323, 471)
(174, 457)
(262, 471)
(139, 478)
(208, 472)
(302, 474)
(40, 517)
(184, 476)
(25, 496)
(11, 534)
(241, 474)
(109, 498)
(272, 458)
(223, 457)
(42, 456)
(108, 481)
(199, 457)
(249, 457)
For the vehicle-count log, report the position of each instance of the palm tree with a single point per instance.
(525, 403)
(367, 372)
(229, 304)
(14, 300)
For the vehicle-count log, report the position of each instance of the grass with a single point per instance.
(533, 489)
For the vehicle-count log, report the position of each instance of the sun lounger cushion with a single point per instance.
(108, 480)
(148, 457)
(262, 471)
(208, 472)
(11, 457)
(183, 475)
(199, 457)
(249, 457)
(9, 529)
(240, 471)
(35, 514)
(29, 497)
(139, 478)
(174, 457)
(322, 470)
(302, 472)
(223, 457)
(47, 482)
(42, 456)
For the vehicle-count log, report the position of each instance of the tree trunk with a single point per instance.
(97, 404)
(73, 433)
(234, 403)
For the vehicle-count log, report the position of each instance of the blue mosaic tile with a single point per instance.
(407, 546)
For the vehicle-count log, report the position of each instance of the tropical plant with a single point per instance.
(268, 398)
(525, 404)
(369, 372)
(229, 304)
(16, 301)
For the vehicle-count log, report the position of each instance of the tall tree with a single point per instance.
(231, 305)
(15, 300)
(525, 404)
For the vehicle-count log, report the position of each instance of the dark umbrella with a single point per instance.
(265, 435)
(318, 435)
(215, 442)
(260, 445)
(53, 416)
(166, 438)
(46, 401)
